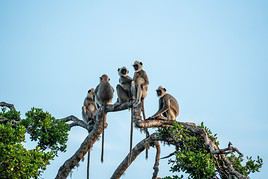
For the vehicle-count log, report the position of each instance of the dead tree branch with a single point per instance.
(87, 144)
(75, 121)
(224, 167)
(8, 105)
(94, 133)
(137, 150)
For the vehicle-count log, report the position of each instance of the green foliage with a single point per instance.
(212, 136)
(16, 161)
(193, 158)
(246, 166)
(44, 128)
(191, 155)
(11, 115)
(12, 135)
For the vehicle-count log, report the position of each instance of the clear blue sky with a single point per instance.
(211, 55)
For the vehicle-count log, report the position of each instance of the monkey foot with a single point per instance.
(136, 104)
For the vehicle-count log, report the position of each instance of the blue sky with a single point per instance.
(211, 55)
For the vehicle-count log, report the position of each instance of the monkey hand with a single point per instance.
(149, 118)
(84, 108)
(154, 116)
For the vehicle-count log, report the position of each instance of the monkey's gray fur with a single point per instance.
(89, 110)
(168, 105)
(140, 83)
(123, 89)
(104, 95)
(104, 91)
(89, 107)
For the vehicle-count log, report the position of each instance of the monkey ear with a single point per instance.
(100, 78)
(109, 79)
(141, 63)
(118, 69)
(165, 89)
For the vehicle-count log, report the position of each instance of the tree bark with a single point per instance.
(87, 144)
(224, 166)
(138, 149)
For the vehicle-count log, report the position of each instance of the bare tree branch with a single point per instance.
(170, 155)
(224, 167)
(152, 123)
(229, 149)
(75, 121)
(8, 105)
(87, 144)
(120, 107)
(138, 149)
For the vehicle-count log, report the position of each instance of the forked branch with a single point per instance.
(224, 166)
(87, 144)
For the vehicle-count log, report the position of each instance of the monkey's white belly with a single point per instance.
(140, 81)
(91, 107)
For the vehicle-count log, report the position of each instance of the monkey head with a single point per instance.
(137, 66)
(123, 71)
(104, 78)
(91, 93)
(161, 91)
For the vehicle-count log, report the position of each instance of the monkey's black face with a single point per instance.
(90, 93)
(124, 71)
(136, 66)
(158, 92)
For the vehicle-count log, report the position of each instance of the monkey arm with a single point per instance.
(159, 112)
(145, 78)
(129, 79)
(85, 101)
(97, 89)
(164, 108)
(84, 115)
(126, 80)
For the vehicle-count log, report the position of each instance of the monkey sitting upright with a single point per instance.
(89, 107)
(168, 106)
(124, 88)
(104, 94)
(104, 91)
(89, 110)
(140, 83)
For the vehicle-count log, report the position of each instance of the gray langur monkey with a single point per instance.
(104, 94)
(123, 89)
(168, 105)
(140, 83)
(124, 94)
(89, 107)
(139, 88)
(89, 110)
(104, 91)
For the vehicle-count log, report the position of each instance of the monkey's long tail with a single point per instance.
(146, 130)
(102, 142)
(88, 163)
(131, 137)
